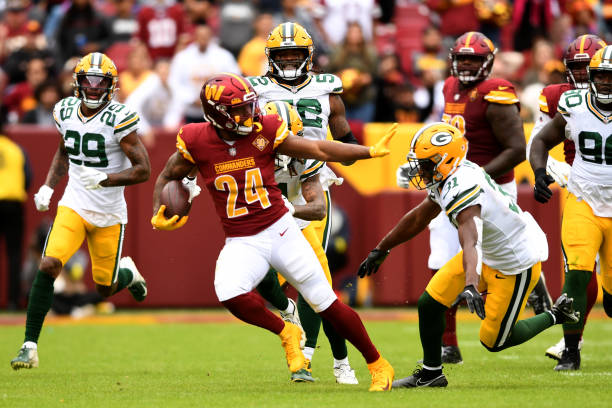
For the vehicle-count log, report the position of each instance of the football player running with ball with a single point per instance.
(586, 228)
(290, 49)
(235, 153)
(101, 153)
(576, 59)
(487, 112)
(502, 249)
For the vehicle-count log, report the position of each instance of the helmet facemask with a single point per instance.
(470, 72)
(576, 72)
(423, 173)
(94, 89)
(289, 68)
(600, 83)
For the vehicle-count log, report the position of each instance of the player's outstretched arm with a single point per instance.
(335, 152)
(507, 128)
(141, 166)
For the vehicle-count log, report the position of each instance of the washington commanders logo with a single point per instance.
(260, 142)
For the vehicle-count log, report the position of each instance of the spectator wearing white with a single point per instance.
(151, 99)
(189, 69)
(337, 14)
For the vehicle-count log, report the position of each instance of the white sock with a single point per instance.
(30, 345)
(432, 368)
(308, 352)
(290, 308)
(338, 363)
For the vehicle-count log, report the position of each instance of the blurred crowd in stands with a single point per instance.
(390, 54)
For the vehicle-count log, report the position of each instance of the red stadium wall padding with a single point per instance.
(179, 265)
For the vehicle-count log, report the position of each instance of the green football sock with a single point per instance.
(336, 341)
(124, 278)
(311, 322)
(269, 288)
(41, 297)
(575, 286)
(525, 329)
(431, 328)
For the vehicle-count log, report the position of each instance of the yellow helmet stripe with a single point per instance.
(468, 39)
(244, 85)
(582, 41)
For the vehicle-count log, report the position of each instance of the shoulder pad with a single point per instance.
(329, 82)
(259, 82)
(571, 100)
(498, 90)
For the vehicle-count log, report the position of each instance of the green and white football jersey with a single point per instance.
(512, 241)
(591, 131)
(94, 142)
(311, 100)
(290, 182)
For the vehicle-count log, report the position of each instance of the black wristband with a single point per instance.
(539, 172)
(348, 138)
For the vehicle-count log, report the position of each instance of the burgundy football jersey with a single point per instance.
(549, 98)
(238, 176)
(160, 28)
(466, 109)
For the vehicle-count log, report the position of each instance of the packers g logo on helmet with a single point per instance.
(435, 153)
(294, 122)
(95, 79)
(289, 36)
(601, 62)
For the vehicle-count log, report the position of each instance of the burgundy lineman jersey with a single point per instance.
(238, 176)
(549, 98)
(466, 110)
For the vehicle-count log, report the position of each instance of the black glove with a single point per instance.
(541, 192)
(371, 264)
(474, 300)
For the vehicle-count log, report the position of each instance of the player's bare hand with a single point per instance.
(160, 222)
(381, 148)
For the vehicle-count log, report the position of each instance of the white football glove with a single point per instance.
(289, 206)
(192, 186)
(43, 197)
(91, 178)
(402, 176)
(559, 171)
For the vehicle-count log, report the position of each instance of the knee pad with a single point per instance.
(607, 303)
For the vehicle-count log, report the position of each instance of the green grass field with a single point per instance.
(133, 361)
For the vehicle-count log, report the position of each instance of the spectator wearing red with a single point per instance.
(20, 97)
(13, 26)
(34, 46)
(160, 25)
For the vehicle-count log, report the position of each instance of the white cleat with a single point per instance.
(27, 358)
(294, 318)
(555, 352)
(138, 286)
(345, 375)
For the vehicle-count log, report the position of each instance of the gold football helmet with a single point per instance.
(285, 37)
(294, 122)
(95, 79)
(435, 153)
(601, 62)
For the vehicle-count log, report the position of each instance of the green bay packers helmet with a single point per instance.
(435, 153)
(289, 36)
(601, 62)
(294, 122)
(95, 79)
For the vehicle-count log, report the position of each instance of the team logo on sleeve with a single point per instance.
(260, 142)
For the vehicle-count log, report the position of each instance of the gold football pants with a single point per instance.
(506, 295)
(67, 233)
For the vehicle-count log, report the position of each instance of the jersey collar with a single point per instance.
(292, 88)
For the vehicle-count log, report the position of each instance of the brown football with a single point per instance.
(175, 197)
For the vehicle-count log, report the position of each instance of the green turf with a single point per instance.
(233, 365)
